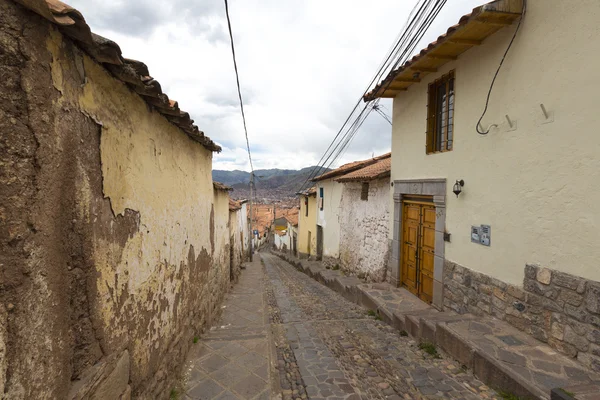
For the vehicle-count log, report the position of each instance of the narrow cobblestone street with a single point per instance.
(339, 351)
(322, 347)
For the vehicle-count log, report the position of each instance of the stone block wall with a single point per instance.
(556, 308)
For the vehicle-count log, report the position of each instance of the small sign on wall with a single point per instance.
(481, 234)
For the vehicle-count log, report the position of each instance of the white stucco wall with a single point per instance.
(364, 229)
(537, 185)
(243, 226)
(328, 218)
(281, 241)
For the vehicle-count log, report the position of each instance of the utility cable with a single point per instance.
(237, 79)
(487, 101)
(415, 37)
(413, 19)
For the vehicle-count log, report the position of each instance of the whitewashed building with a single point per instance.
(364, 220)
(496, 212)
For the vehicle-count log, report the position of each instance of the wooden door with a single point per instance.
(418, 249)
(412, 220)
(319, 242)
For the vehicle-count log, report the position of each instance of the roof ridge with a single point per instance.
(133, 73)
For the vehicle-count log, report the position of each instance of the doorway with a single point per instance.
(418, 248)
(319, 242)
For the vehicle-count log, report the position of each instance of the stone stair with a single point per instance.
(500, 355)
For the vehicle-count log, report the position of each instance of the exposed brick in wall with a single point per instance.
(554, 307)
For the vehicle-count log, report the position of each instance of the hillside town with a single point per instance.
(459, 261)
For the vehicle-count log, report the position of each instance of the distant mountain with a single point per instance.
(285, 180)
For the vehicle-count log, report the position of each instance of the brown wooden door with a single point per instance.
(418, 249)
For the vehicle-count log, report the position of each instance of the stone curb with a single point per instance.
(426, 325)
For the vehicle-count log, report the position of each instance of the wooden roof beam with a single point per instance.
(442, 56)
(470, 42)
(411, 80)
(424, 69)
(498, 22)
(395, 89)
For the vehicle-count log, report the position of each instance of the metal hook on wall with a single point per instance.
(548, 116)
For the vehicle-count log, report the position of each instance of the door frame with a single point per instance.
(420, 187)
(422, 203)
(319, 243)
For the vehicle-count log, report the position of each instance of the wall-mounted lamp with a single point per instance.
(457, 189)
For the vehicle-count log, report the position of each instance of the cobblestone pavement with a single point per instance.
(329, 348)
(231, 361)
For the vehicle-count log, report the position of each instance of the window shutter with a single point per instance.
(430, 118)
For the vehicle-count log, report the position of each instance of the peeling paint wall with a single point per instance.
(114, 249)
(364, 230)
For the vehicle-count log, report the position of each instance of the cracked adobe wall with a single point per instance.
(109, 255)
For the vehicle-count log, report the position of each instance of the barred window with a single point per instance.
(440, 114)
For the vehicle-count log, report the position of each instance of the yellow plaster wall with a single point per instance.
(537, 186)
(153, 168)
(307, 224)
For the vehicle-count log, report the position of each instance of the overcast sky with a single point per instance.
(303, 64)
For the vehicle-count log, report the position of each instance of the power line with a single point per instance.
(396, 48)
(253, 193)
(380, 112)
(406, 35)
(416, 26)
(237, 79)
(415, 38)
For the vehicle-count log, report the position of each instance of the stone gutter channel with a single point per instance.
(501, 356)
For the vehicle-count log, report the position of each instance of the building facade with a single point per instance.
(364, 217)
(111, 228)
(307, 224)
(518, 240)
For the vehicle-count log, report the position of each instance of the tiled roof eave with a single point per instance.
(385, 174)
(133, 73)
(471, 30)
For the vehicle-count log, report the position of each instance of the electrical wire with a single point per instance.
(487, 101)
(413, 34)
(383, 115)
(237, 79)
(413, 20)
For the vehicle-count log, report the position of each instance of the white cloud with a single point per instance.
(303, 65)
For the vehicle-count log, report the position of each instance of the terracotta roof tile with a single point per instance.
(290, 214)
(133, 73)
(496, 5)
(234, 205)
(309, 192)
(220, 186)
(347, 168)
(380, 169)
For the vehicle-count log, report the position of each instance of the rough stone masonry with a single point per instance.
(557, 308)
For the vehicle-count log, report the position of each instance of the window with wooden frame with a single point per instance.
(440, 114)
